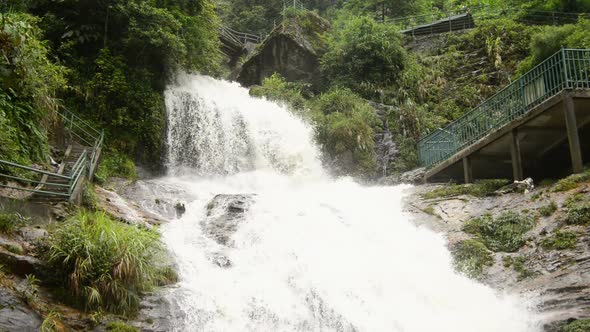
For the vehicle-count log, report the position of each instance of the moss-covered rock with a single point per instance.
(292, 49)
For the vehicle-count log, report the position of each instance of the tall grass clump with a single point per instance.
(104, 263)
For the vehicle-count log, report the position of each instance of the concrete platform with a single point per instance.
(538, 145)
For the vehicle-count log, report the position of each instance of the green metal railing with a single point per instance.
(527, 16)
(566, 69)
(40, 181)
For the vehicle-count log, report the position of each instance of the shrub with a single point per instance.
(480, 188)
(560, 240)
(470, 257)
(115, 164)
(579, 214)
(89, 198)
(364, 55)
(345, 128)
(504, 233)
(581, 325)
(104, 262)
(277, 89)
(548, 209)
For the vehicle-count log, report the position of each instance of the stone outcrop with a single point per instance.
(292, 49)
(15, 315)
(559, 279)
(224, 214)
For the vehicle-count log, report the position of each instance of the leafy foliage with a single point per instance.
(550, 39)
(105, 263)
(504, 233)
(364, 56)
(581, 325)
(345, 128)
(548, 209)
(471, 257)
(29, 82)
(579, 213)
(120, 54)
(115, 164)
(277, 89)
(560, 240)
(10, 221)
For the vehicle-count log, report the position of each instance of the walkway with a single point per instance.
(526, 122)
(83, 146)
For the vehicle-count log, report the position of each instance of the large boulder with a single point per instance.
(15, 315)
(292, 49)
(224, 215)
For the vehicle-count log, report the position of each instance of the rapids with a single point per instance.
(313, 253)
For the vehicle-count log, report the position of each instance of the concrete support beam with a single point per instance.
(517, 172)
(467, 170)
(572, 133)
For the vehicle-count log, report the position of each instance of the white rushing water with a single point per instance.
(312, 253)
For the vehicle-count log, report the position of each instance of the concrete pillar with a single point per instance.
(572, 133)
(467, 170)
(516, 157)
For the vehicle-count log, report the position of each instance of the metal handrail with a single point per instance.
(566, 69)
(408, 23)
(84, 132)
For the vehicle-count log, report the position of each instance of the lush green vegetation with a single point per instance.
(504, 233)
(581, 325)
(572, 181)
(548, 209)
(120, 327)
(114, 59)
(471, 257)
(480, 188)
(105, 264)
(579, 213)
(10, 221)
(115, 164)
(560, 240)
(29, 82)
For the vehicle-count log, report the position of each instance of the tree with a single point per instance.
(364, 55)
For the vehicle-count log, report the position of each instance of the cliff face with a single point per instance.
(292, 50)
(548, 263)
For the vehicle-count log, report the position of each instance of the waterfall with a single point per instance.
(269, 242)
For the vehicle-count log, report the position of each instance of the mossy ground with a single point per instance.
(505, 233)
(481, 188)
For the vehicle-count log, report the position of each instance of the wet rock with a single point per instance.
(415, 176)
(15, 315)
(220, 260)
(32, 234)
(180, 209)
(224, 215)
(155, 314)
(19, 264)
(121, 209)
(560, 279)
